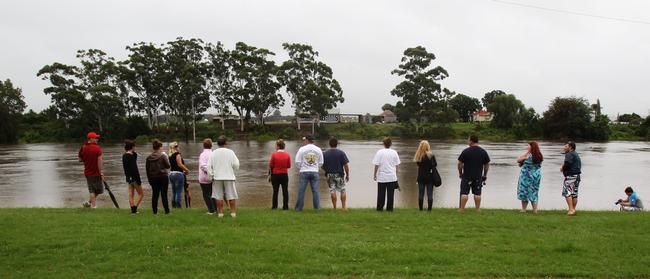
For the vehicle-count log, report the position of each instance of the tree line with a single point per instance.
(424, 100)
(183, 79)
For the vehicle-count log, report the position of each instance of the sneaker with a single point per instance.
(233, 215)
(210, 213)
(85, 204)
(220, 215)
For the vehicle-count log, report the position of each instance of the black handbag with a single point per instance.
(435, 176)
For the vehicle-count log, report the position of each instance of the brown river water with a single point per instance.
(49, 175)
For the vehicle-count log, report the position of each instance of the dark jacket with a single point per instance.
(157, 165)
(425, 167)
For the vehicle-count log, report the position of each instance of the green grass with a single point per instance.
(73, 243)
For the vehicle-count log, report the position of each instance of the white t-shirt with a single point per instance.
(387, 160)
(309, 158)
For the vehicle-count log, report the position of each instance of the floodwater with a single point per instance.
(49, 175)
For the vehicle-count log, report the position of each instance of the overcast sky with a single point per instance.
(484, 45)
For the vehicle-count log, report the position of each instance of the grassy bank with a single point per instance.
(71, 243)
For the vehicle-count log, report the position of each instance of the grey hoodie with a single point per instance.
(157, 165)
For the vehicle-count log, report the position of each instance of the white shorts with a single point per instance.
(224, 187)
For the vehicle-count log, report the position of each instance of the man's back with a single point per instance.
(309, 158)
(473, 158)
(89, 154)
(333, 160)
(222, 164)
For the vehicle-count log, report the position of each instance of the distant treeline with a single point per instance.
(185, 77)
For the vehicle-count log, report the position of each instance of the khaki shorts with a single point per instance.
(221, 188)
(95, 184)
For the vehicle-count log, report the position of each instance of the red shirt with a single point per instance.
(89, 154)
(280, 162)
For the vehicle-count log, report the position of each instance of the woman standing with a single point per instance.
(204, 178)
(426, 164)
(386, 163)
(177, 174)
(530, 176)
(278, 166)
(130, 165)
(157, 166)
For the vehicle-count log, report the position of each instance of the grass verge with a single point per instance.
(67, 243)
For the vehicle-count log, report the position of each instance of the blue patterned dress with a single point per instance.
(529, 179)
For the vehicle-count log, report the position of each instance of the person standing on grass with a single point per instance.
(337, 171)
(473, 166)
(279, 165)
(571, 168)
(130, 165)
(177, 174)
(204, 178)
(91, 155)
(157, 166)
(530, 176)
(632, 202)
(386, 162)
(309, 159)
(426, 165)
(221, 169)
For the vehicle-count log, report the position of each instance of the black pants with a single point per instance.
(278, 180)
(382, 189)
(207, 196)
(429, 187)
(159, 185)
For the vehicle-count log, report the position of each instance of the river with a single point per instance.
(49, 175)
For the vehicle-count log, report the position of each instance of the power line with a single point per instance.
(572, 12)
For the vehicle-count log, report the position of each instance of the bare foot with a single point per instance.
(461, 210)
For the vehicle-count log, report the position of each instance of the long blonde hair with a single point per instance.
(423, 149)
(173, 148)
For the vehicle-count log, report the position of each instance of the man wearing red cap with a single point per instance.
(91, 155)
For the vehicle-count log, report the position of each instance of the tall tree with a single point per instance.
(420, 91)
(465, 105)
(309, 82)
(487, 99)
(257, 86)
(146, 76)
(220, 75)
(507, 110)
(567, 118)
(99, 78)
(67, 100)
(12, 105)
(185, 64)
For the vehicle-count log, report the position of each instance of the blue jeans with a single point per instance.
(177, 179)
(311, 178)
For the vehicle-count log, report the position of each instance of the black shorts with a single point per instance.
(475, 184)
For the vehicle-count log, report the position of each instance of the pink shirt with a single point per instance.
(204, 178)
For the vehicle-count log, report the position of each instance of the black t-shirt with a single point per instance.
(174, 164)
(130, 164)
(572, 164)
(473, 158)
(334, 160)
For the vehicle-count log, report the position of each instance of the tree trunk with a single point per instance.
(298, 122)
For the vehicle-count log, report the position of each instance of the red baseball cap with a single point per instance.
(92, 135)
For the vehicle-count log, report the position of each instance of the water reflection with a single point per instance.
(49, 174)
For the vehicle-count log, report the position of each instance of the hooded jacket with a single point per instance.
(157, 165)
